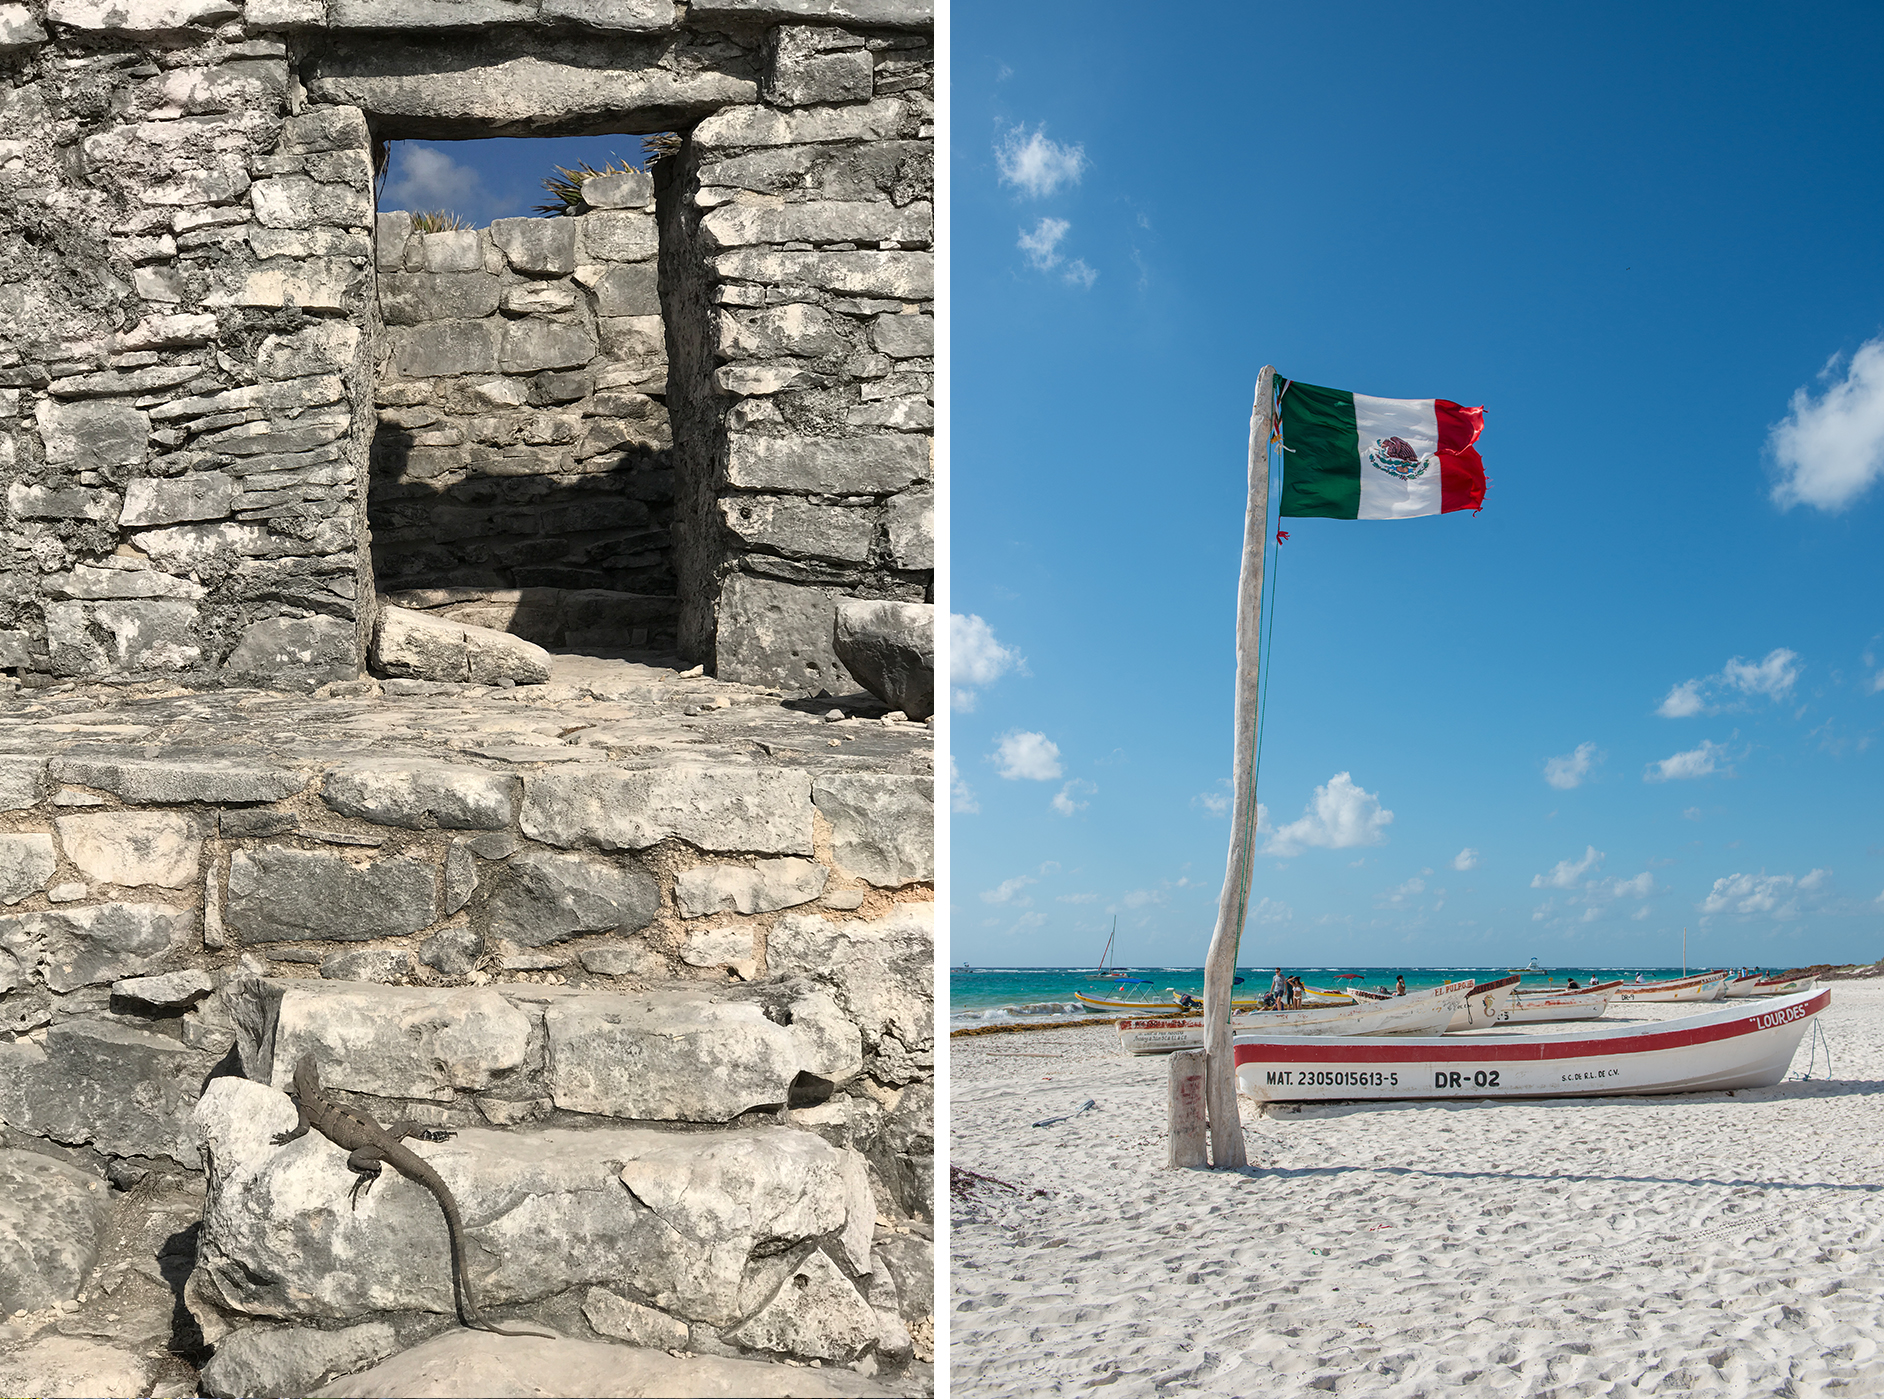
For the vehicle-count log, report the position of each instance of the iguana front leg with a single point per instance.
(406, 1128)
(299, 1129)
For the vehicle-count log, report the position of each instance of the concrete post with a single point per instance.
(1186, 1125)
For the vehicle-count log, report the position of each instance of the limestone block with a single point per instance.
(714, 807)
(452, 951)
(617, 235)
(26, 863)
(628, 959)
(878, 464)
(800, 529)
(883, 824)
(765, 886)
(630, 289)
(134, 848)
(325, 129)
(903, 276)
(452, 250)
(22, 781)
(531, 345)
(293, 1360)
(615, 1316)
(879, 970)
(385, 965)
(797, 328)
(83, 945)
(157, 283)
(53, 1216)
(171, 989)
(736, 127)
(184, 778)
(61, 503)
(296, 201)
(19, 30)
(809, 65)
(638, 16)
(391, 230)
(446, 347)
(278, 893)
(540, 298)
(409, 298)
(627, 189)
(721, 947)
(911, 522)
(899, 14)
(86, 436)
(425, 647)
(752, 378)
(128, 1091)
(639, 339)
(426, 14)
(92, 581)
(904, 337)
(169, 332)
(461, 874)
(326, 347)
(203, 496)
(524, 94)
(145, 635)
(816, 1312)
(537, 247)
(314, 284)
(420, 794)
(15, 650)
(192, 188)
(772, 633)
(546, 897)
(391, 1042)
(890, 648)
(821, 221)
(137, 17)
(294, 654)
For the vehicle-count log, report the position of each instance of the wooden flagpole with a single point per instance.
(1225, 1122)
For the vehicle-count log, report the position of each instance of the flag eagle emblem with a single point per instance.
(1398, 457)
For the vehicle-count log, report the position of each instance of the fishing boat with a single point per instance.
(1729, 1047)
(1425, 1012)
(1148, 1003)
(1759, 984)
(1106, 969)
(1483, 1007)
(1558, 1004)
(1703, 986)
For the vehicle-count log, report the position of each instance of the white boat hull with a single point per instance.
(1421, 1013)
(1730, 1048)
(1754, 987)
(1564, 1006)
(1485, 1006)
(1707, 988)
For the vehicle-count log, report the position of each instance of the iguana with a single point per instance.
(367, 1146)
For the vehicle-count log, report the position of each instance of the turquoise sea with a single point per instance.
(980, 996)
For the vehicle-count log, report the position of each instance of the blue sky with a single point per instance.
(495, 179)
(1643, 690)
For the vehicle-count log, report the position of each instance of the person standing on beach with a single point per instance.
(1279, 988)
(1399, 985)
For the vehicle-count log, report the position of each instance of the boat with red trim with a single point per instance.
(1703, 986)
(1425, 1012)
(1735, 1047)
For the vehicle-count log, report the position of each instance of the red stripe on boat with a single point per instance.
(1383, 1051)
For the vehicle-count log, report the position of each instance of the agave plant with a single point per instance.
(565, 186)
(437, 221)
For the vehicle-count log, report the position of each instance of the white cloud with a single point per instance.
(1066, 802)
(1339, 815)
(1830, 450)
(1592, 914)
(1036, 165)
(1693, 814)
(1752, 894)
(1137, 899)
(1569, 770)
(1812, 879)
(1691, 763)
(961, 796)
(1773, 676)
(1079, 274)
(1684, 700)
(430, 179)
(1007, 891)
(1400, 893)
(1466, 859)
(975, 658)
(1640, 914)
(1566, 873)
(1217, 804)
(1615, 887)
(1025, 754)
(1270, 911)
(1043, 244)
(1076, 899)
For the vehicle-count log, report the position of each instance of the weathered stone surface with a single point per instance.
(904, 276)
(539, 298)
(293, 1360)
(800, 528)
(911, 522)
(632, 289)
(422, 794)
(386, 965)
(883, 824)
(904, 337)
(890, 648)
(617, 235)
(427, 647)
(426, 14)
(93, 1081)
(409, 298)
(203, 496)
(83, 945)
(816, 1312)
(810, 65)
(759, 889)
(445, 347)
(145, 635)
(615, 1316)
(532, 345)
(278, 893)
(391, 1042)
(642, 16)
(879, 970)
(878, 464)
(137, 17)
(538, 247)
(632, 958)
(780, 634)
(695, 1209)
(134, 848)
(26, 864)
(195, 778)
(461, 876)
(738, 127)
(721, 947)
(452, 250)
(824, 221)
(295, 653)
(18, 29)
(61, 503)
(796, 328)
(22, 782)
(548, 897)
(629, 189)
(295, 201)
(717, 808)
(337, 128)
(52, 1221)
(170, 989)
(901, 14)
(452, 951)
(56, 1363)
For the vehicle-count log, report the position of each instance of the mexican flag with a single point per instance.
(1356, 457)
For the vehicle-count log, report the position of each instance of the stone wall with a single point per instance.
(521, 474)
(192, 329)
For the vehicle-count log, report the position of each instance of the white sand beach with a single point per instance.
(1707, 1244)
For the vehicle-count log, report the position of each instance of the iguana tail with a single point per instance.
(467, 1308)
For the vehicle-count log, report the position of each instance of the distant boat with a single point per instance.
(1106, 969)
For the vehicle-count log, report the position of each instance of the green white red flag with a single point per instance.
(1356, 457)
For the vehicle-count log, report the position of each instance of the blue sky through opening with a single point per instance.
(1641, 692)
(497, 178)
